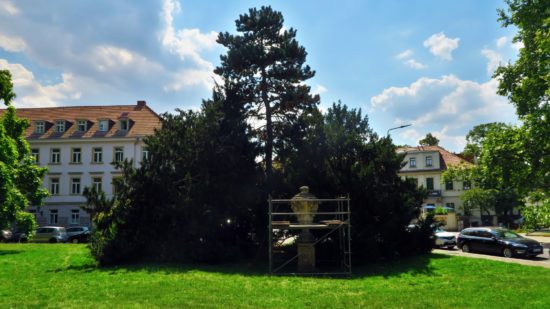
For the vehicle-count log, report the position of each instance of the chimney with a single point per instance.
(140, 104)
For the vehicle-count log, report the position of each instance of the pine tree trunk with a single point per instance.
(269, 130)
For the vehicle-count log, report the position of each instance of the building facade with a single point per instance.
(78, 146)
(425, 165)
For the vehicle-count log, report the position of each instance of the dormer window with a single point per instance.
(82, 125)
(429, 161)
(104, 125)
(60, 126)
(124, 124)
(39, 127)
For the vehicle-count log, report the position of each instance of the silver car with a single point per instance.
(51, 234)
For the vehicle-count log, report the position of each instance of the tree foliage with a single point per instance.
(477, 198)
(339, 155)
(20, 177)
(536, 216)
(266, 64)
(476, 137)
(192, 199)
(526, 83)
(201, 194)
(429, 140)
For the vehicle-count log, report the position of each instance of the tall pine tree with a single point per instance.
(267, 65)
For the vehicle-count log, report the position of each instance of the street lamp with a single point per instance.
(400, 127)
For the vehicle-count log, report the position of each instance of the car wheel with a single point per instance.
(507, 252)
(465, 248)
(74, 240)
(53, 241)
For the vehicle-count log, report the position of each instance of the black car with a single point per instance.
(497, 241)
(12, 236)
(78, 234)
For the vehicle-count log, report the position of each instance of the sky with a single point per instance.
(428, 63)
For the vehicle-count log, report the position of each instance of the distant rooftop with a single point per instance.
(447, 158)
(84, 121)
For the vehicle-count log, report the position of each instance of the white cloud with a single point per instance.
(441, 46)
(501, 41)
(415, 64)
(12, 44)
(517, 45)
(30, 93)
(495, 59)
(448, 106)
(406, 57)
(6, 7)
(404, 54)
(187, 44)
(319, 89)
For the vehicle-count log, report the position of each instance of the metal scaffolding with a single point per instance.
(331, 226)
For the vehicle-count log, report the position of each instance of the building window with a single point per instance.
(466, 185)
(60, 126)
(429, 161)
(76, 155)
(119, 154)
(96, 183)
(450, 206)
(35, 153)
(75, 185)
(144, 155)
(412, 162)
(116, 184)
(82, 125)
(56, 156)
(53, 216)
(40, 127)
(124, 124)
(429, 183)
(97, 155)
(75, 216)
(54, 186)
(104, 125)
(448, 185)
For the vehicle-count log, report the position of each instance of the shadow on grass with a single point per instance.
(8, 252)
(416, 265)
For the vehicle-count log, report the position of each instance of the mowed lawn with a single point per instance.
(64, 276)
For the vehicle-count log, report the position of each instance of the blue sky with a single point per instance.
(425, 63)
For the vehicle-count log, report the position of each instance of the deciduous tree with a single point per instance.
(429, 140)
(20, 177)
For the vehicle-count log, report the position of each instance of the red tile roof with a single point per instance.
(447, 158)
(142, 120)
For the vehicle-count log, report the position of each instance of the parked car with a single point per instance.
(78, 234)
(444, 238)
(13, 236)
(51, 234)
(497, 241)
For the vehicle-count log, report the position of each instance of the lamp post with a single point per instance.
(400, 127)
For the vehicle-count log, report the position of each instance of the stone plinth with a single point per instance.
(306, 257)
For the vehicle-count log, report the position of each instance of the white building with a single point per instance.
(78, 145)
(426, 164)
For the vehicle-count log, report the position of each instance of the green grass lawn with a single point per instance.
(64, 276)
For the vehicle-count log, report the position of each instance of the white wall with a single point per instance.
(86, 170)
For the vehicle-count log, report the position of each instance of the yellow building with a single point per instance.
(426, 164)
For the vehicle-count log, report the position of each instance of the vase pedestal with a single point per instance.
(306, 257)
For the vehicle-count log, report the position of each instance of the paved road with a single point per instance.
(542, 260)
